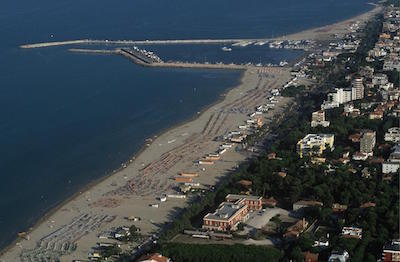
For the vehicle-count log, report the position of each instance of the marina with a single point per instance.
(273, 43)
(165, 56)
(141, 59)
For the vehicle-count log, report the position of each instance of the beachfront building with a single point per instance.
(391, 251)
(227, 217)
(318, 119)
(232, 212)
(252, 202)
(315, 144)
(367, 142)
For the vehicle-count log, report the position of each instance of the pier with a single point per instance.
(142, 61)
(93, 51)
(140, 42)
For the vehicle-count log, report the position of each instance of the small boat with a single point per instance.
(283, 63)
(226, 49)
(261, 43)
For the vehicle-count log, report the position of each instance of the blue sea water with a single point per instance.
(213, 53)
(68, 119)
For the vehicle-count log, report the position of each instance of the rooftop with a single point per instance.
(308, 203)
(311, 138)
(234, 197)
(393, 245)
(225, 211)
(156, 257)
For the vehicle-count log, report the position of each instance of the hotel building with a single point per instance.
(367, 142)
(232, 212)
(315, 144)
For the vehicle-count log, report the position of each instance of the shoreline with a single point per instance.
(315, 33)
(321, 32)
(136, 155)
(43, 221)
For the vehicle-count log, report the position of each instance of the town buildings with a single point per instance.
(339, 256)
(352, 232)
(349, 110)
(306, 203)
(295, 230)
(392, 64)
(315, 144)
(380, 79)
(357, 89)
(252, 202)
(310, 257)
(391, 251)
(340, 96)
(156, 257)
(358, 156)
(344, 95)
(227, 217)
(392, 165)
(338, 208)
(318, 119)
(393, 135)
(232, 212)
(367, 142)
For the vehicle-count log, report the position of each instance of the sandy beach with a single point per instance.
(328, 32)
(131, 190)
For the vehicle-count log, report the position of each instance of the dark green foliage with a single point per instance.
(393, 2)
(194, 212)
(394, 77)
(292, 91)
(220, 253)
(307, 181)
(110, 251)
(135, 234)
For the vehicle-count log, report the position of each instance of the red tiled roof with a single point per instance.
(154, 257)
(310, 257)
